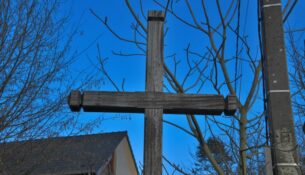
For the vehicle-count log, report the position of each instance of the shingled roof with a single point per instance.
(61, 155)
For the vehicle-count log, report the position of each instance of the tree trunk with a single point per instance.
(242, 167)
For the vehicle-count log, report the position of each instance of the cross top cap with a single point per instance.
(156, 15)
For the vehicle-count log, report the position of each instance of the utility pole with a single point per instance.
(283, 142)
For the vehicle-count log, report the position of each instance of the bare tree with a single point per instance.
(228, 61)
(296, 53)
(34, 70)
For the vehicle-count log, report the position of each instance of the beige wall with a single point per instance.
(123, 160)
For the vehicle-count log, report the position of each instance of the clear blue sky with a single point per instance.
(177, 146)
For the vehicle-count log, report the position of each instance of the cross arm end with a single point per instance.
(230, 105)
(75, 100)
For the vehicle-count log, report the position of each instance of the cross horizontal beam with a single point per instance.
(137, 102)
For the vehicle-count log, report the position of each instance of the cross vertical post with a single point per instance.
(154, 83)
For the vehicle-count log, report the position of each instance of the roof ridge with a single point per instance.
(69, 137)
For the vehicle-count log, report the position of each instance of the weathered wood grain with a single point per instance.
(154, 83)
(136, 102)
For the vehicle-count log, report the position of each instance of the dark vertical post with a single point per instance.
(154, 83)
(283, 143)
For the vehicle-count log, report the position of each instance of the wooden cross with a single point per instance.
(153, 102)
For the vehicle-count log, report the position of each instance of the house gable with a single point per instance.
(74, 155)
